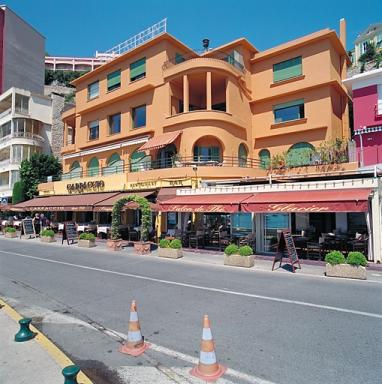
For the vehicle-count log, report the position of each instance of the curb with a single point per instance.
(57, 355)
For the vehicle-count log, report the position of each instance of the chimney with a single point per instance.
(206, 43)
(343, 32)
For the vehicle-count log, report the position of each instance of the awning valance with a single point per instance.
(83, 202)
(107, 205)
(160, 141)
(345, 200)
(219, 203)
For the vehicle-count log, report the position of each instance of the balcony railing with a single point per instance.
(222, 56)
(26, 135)
(146, 164)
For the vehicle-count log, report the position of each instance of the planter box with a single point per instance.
(142, 248)
(170, 253)
(10, 235)
(239, 261)
(114, 245)
(47, 239)
(86, 243)
(346, 270)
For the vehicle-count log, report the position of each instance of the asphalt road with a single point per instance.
(268, 328)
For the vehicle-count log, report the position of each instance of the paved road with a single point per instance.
(268, 328)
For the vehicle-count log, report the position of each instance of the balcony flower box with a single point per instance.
(86, 240)
(170, 249)
(239, 257)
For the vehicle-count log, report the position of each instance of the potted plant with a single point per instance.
(353, 267)
(10, 232)
(239, 257)
(86, 240)
(171, 249)
(115, 243)
(47, 236)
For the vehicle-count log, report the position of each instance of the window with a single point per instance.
(93, 90)
(94, 130)
(93, 167)
(114, 165)
(138, 69)
(114, 80)
(364, 46)
(202, 153)
(21, 103)
(114, 124)
(293, 110)
(75, 171)
(243, 155)
(287, 69)
(139, 116)
(179, 58)
(299, 154)
(265, 158)
(139, 161)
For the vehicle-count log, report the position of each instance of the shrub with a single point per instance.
(176, 244)
(335, 257)
(87, 236)
(356, 258)
(10, 230)
(164, 243)
(231, 249)
(47, 233)
(245, 250)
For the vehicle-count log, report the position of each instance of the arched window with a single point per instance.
(208, 148)
(114, 165)
(299, 154)
(139, 161)
(265, 158)
(242, 155)
(93, 167)
(75, 170)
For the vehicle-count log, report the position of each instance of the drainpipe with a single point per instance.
(361, 147)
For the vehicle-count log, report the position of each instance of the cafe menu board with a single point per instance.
(286, 248)
(27, 228)
(69, 233)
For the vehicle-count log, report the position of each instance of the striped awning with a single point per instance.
(160, 141)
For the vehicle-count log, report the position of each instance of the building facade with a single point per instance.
(25, 128)
(79, 64)
(371, 35)
(366, 89)
(22, 51)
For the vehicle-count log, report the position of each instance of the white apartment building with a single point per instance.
(25, 128)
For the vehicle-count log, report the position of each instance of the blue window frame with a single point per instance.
(293, 110)
(139, 116)
(115, 124)
(94, 130)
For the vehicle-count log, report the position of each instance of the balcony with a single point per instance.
(6, 113)
(22, 135)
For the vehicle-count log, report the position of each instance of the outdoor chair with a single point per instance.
(314, 251)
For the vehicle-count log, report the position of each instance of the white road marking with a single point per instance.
(203, 288)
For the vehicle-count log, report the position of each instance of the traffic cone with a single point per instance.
(134, 344)
(207, 369)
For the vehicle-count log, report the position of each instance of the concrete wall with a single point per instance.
(23, 55)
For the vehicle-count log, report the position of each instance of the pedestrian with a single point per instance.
(37, 223)
(43, 221)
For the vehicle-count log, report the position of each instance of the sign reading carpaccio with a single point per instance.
(87, 186)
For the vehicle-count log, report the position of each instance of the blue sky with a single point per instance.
(81, 27)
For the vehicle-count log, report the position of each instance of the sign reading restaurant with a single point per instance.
(87, 186)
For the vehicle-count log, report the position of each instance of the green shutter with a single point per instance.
(113, 79)
(289, 104)
(287, 69)
(215, 153)
(137, 68)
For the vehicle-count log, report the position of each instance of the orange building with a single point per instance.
(163, 115)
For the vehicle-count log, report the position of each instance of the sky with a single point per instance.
(81, 27)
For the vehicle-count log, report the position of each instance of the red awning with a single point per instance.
(344, 200)
(160, 141)
(84, 202)
(107, 205)
(222, 203)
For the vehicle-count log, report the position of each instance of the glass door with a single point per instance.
(273, 224)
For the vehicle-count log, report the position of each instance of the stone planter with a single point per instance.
(47, 239)
(239, 261)
(142, 248)
(170, 253)
(86, 243)
(346, 270)
(10, 235)
(114, 245)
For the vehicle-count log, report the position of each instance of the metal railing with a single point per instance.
(216, 55)
(146, 164)
(26, 135)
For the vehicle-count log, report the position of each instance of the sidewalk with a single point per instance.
(34, 361)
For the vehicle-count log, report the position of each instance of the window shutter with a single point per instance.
(287, 69)
(289, 104)
(113, 79)
(93, 90)
(137, 68)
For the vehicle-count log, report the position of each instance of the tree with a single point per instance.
(369, 54)
(36, 169)
(18, 193)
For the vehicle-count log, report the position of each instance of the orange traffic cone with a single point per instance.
(135, 344)
(208, 369)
